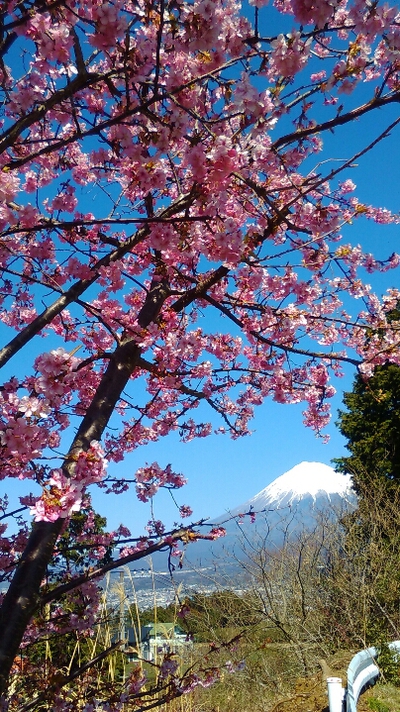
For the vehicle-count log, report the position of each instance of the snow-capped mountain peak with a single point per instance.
(309, 495)
(307, 479)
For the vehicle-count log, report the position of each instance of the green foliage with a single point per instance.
(377, 705)
(65, 649)
(74, 547)
(207, 616)
(210, 614)
(362, 584)
(371, 425)
(389, 664)
(383, 698)
(161, 614)
(341, 577)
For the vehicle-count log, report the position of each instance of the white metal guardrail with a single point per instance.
(363, 670)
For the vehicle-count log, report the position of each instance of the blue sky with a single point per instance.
(223, 473)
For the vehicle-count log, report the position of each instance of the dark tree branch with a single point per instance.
(22, 597)
(77, 289)
(340, 120)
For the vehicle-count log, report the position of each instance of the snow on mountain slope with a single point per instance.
(299, 500)
(305, 480)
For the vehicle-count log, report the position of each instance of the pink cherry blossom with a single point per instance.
(290, 54)
(181, 239)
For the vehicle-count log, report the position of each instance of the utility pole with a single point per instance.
(122, 631)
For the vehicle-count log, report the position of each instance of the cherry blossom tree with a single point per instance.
(161, 163)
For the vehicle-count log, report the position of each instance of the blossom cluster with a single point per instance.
(151, 477)
(63, 494)
(171, 210)
(31, 423)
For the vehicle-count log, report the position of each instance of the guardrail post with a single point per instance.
(362, 671)
(335, 694)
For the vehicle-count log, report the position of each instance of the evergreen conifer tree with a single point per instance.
(371, 425)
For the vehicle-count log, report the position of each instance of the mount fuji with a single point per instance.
(297, 501)
(309, 493)
(312, 481)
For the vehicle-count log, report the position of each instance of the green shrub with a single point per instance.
(377, 705)
(389, 664)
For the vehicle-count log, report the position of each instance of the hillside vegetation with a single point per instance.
(307, 608)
